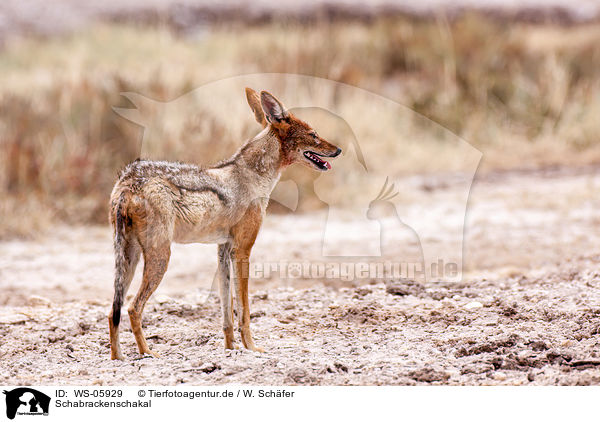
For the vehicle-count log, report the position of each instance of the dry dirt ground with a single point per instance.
(526, 312)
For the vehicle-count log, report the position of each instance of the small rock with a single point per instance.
(209, 367)
(233, 370)
(539, 346)
(340, 367)
(526, 358)
(555, 357)
(404, 288)
(13, 318)
(362, 291)
(257, 314)
(260, 296)
(35, 300)
(202, 339)
(428, 375)
(499, 376)
(299, 375)
(490, 322)
(473, 305)
(477, 368)
(440, 295)
(58, 335)
(162, 299)
(84, 326)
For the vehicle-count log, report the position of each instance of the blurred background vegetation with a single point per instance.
(526, 94)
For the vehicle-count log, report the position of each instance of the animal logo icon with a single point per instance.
(395, 235)
(26, 401)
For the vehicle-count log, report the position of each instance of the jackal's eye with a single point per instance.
(314, 135)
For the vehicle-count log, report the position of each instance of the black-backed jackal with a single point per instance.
(155, 203)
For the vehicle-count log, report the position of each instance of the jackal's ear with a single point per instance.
(254, 103)
(274, 110)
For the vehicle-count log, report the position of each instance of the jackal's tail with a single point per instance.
(121, 259)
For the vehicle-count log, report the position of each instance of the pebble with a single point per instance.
(499, 376)
(525, 354)
(13, 318)
(261, 295)
(35, 300)
(473, 305)
(162, 299)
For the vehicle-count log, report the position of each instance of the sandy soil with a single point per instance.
(527, 310)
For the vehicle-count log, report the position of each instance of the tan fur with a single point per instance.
(156, 203)
(254, 103)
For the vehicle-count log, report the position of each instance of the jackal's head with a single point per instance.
(300, 143)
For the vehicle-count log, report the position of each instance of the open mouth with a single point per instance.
(313, 157)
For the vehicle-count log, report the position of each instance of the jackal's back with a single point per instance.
(188, 201)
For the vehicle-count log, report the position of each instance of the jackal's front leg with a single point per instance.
(244, 234)
(242, 269)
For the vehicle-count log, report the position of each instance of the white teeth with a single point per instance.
(315, 159)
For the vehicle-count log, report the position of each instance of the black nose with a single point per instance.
(338, 152)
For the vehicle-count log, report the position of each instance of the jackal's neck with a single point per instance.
(261, 159)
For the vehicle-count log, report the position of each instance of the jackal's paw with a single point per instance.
(256, 349)
(118, 356)
(150, 353)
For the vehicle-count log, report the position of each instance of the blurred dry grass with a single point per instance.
(525, 95)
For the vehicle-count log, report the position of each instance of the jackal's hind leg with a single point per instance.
(224, 275)
(156, 261)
